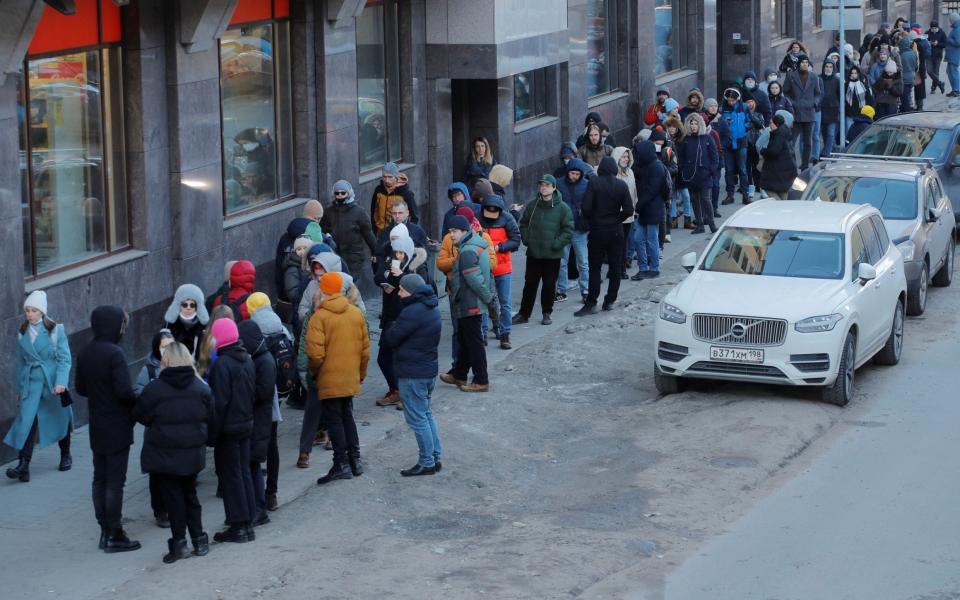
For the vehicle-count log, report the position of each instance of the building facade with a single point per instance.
(145, 142)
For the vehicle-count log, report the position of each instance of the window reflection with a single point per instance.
(602, 61)
(378, 84)
(530, 95)
(665, 34)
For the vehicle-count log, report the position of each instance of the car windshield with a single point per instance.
(776, 252)
(894, 198)
(902, 140)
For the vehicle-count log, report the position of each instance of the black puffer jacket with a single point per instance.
(607, 201)
(233, 383)
(265, 386)
(177, 410)
(651, 180)
(779, 169)
(188, 335)
(102, 377)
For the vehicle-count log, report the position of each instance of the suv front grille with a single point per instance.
(736, 369)
(739, 331)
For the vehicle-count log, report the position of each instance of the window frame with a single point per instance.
(541, 75)
(679, 29)
(278, 198)
(24, 97)
(881, 231)
(875, 250)
(612, 54)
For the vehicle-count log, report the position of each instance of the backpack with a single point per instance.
(235, 305)
(667, 188)
(286, 358)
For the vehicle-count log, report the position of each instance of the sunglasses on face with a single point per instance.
(340, 194)
(188, 305)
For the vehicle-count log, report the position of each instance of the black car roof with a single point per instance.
(934, 119)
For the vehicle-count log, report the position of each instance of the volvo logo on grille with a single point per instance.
(738, 330)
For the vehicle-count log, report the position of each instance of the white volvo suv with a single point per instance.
(787, 292)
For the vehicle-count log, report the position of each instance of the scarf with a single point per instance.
(188, 321)
(34, 330)
(858, 90)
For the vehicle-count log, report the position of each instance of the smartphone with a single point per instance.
(395, 264)
(387, 287)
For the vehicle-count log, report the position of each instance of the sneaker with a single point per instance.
(546, 320)
(667, 238)
(560, 297)
(588, 309)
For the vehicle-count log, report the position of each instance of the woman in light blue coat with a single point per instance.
(42, 373)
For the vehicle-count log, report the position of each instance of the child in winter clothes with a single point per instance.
(860, 123)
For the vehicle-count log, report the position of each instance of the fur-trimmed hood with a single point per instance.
(695, 117)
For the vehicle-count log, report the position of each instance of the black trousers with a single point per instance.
(156, 496)
(805, 134)
(342, 429)
(472, 354)
(273, 461)
(702, 208)
(109, 477)
(180, 496)
(546, 270)
(232, 458)
(27, 451)
(627, 227)
(605, 245)
(313, 421)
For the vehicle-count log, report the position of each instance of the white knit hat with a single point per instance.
(38, 300)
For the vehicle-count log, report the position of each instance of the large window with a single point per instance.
(378, 84)
(257, 114)
(781, 18)
(70, 107)
(668, 36)
(530, 95)
(602, 47)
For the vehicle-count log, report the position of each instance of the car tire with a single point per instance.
(841, 391)
(666, 384)
(889, 355)
(917, 299)
(944, 276)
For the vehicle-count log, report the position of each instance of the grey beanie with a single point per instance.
(343, 186)
(953, 17)
(391, 169)
(710, 102)
(412, 282)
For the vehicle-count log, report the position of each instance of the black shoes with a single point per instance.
(337, 471)
(356, 466)
(119, 542)
(238, 534)
(272, 502)
(162, 520)
(546, 320)
(588, 309)
(505, 341)
(583, 298)
(437, 466)
(698, 230)
(103, 539)
(416, 470)
(21, 471)
(560, 298)
(519, 319)
(262, 518)
(201, 545)
(728, 199)
(607, 306)
(178, 550)
(640, 276)
(66, 461)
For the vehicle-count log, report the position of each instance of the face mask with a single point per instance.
(749, 85)
(250, 146)
(771, 79)
(656, 148)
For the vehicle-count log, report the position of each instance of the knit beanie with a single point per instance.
(710, 102)
(670, 105)
(411, 282)
(391, 169)
(658, 135)
(314, 232)
(890, 68)
(868, 111)
(302, 243)
(459, 222)
(313, 210)
(467, 212)
(331, 283)
(38, 300)
(225, 332)
(482, 189)
(256, 301)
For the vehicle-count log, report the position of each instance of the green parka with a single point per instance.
(546, 226)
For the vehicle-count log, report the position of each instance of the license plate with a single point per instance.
(747, 355)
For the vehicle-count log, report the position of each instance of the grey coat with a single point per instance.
(805, 98)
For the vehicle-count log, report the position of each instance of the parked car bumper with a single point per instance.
(912, 270)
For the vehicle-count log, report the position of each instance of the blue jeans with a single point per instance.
(829, 131)
(579, 244)
(679, 194)
(906, 98)
(415, 394)
(817, 126)
(632, 241)
(953, 74)
(735, 165)
(504, 285)
(648, 247)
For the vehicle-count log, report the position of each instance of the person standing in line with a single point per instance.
(572, 189)
(103, 378)
(459, 196)
(392, 187)
(233, 383)
(351, 228)
(338, 352)
(177, 410)
(829, 107)
(42, 369)
(624, 159)
(415, 338)
(938, 43)
(546, 228)
(857, 94)
(733, 135)
(910, 64)
(265, 391)
(187, 316)
(653, 193)
(605, 206)
(805, 92)
(952, 55)
(887, 81)
(593, 150)
(148, 373)
(479, 162)
(698, 160)
(779, 168)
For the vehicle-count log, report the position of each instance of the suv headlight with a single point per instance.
(907, 249)
(669, 312)
(799, 185)
(818, 324)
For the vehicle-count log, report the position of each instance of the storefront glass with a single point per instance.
(602, 44)
(665, 35)
(378, 85)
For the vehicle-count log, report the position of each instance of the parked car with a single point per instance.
(915, 209)
(787, 292)
(927, 135)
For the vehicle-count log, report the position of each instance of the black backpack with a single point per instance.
(235, 305)
(286, 358)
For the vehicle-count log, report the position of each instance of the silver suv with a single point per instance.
(916, 212)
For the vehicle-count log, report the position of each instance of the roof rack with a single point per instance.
(921, 160)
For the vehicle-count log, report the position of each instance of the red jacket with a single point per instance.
(651, 118)
(243, 277)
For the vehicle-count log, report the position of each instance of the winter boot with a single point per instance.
(303, 461)
(178, 550)
(505, 341)
(728, 199)
(356, 465)
(337, 471)
(262, 518)
(103, 538)
(22, 470)
(66, 461)
(162, 520)
(235, 533)
(272, 502)
(118, 541)
(201, 545)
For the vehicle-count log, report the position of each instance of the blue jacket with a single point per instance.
(953, 45)
(573, 194)
(415, 336)
(447, 216)
(736, 118)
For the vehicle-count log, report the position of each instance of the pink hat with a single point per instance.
(224, 332)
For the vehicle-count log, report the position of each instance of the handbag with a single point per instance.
(66, 399)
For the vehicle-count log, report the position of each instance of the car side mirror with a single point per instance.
(688, 261)
(933, 215)
(866, 272)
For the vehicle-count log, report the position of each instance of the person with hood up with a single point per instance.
(312, 213)
(392, 187)
(572, 188)
(546, 228)
(243, 279)
(605, 206)
(593, 150)
(694, 104)
(681, 211)
(750, 86)
(415, 338)
(459, 195)
(755, 124)
(910, 63)
(698, 160)
(779, 169)
(479, 162)
(650, 117)
(652, 197)
(938, 43)
(829, 107)
(736, 120)
(769, 76)
(42, 372)
(224, 286)
(338, 352)
(860, 123)
(177, 410)
(351, 227)
(671, 108)
(590, 119)
(233, 381)
(504, 240)
(187, 316)
(666, 153)
(857, 95)
(319, 259)
(103, 378)
(471, 287)
(805, 92)
(791, 60)
(624, 159)
(887, 85)
(952, 55)
(265, 391)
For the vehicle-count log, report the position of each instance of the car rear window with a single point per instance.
(902, 140)
(894, 198)
(776, 252)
